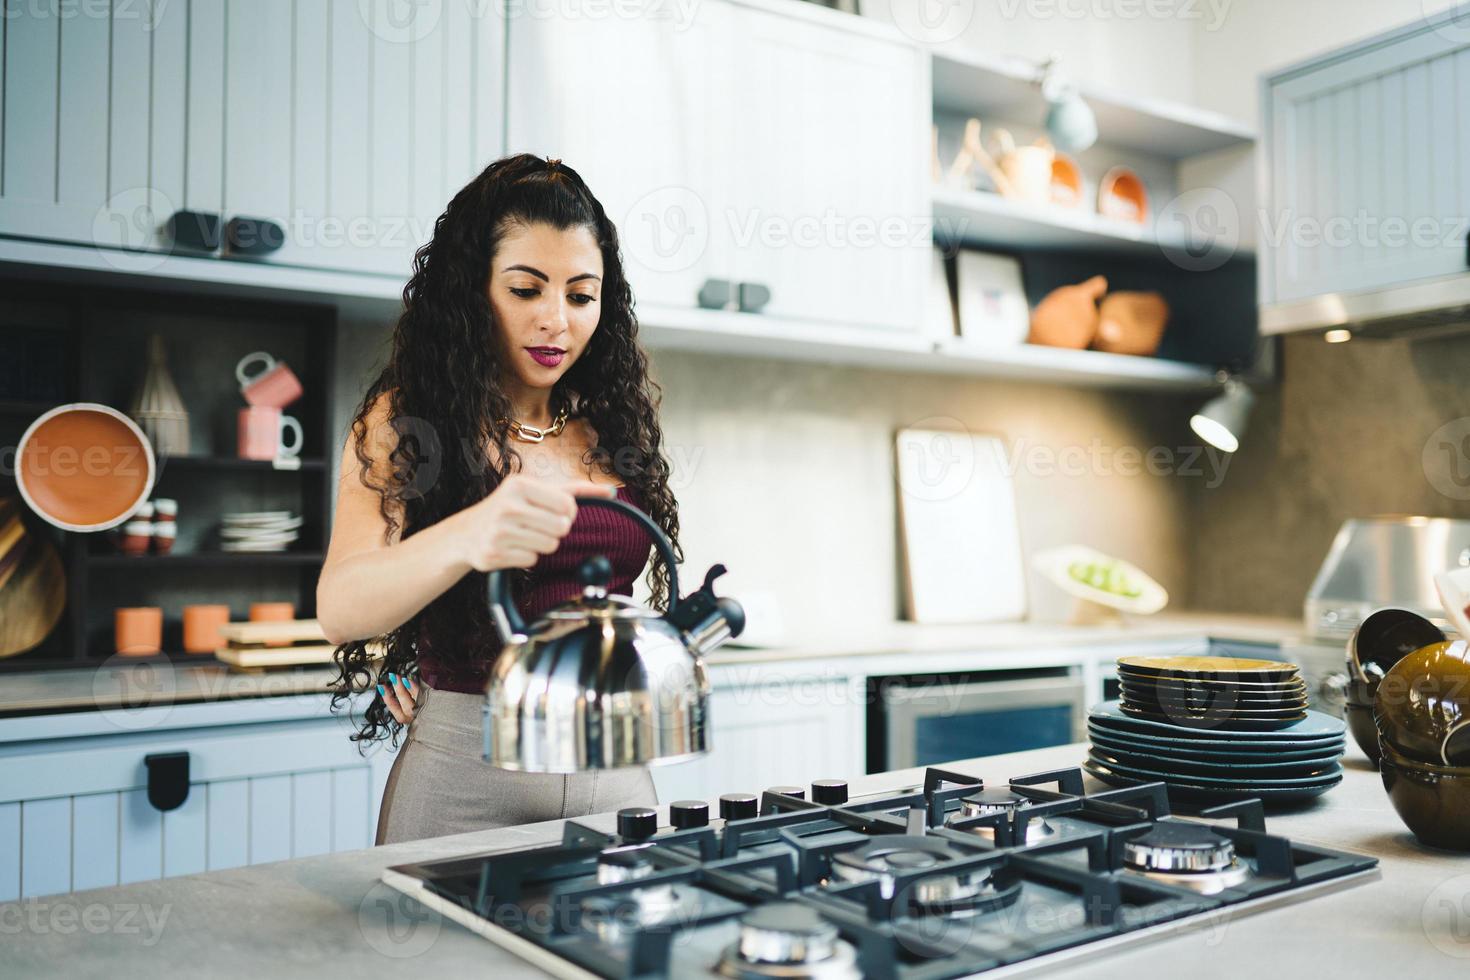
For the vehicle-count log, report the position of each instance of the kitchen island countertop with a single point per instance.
(119, 682)
(331, 916)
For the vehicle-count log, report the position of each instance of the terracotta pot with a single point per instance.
(138, 630)
(1068, 316)
(201, 628)
(1131, 323)
(1122, 195)
(273, 612)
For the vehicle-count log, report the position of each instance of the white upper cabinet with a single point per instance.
(775, 145)
(1368, 163)
(349, 125)
(629, 103)
(825, 155)
(71, 170)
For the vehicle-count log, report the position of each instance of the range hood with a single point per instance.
(1428, 307)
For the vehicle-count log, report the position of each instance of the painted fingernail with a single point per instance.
(408, 683)
(393, 677)
(381, 692)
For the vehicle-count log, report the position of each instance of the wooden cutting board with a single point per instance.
(961, 542)
(33, 595)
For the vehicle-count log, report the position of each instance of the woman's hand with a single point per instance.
(520, 520)
(400, 697)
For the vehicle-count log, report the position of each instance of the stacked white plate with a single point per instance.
(259, 530)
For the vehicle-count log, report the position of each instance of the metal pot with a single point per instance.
(600, 682)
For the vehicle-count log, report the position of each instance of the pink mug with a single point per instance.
(274, 385)
(262, 433)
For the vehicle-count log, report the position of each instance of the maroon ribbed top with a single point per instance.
(596, 531)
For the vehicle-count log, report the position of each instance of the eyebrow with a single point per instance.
(544, 277)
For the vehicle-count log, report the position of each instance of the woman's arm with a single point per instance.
(370, 585)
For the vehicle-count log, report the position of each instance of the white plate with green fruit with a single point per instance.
(1100, 578)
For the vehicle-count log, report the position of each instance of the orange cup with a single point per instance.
(138, 630)
(201, 628)
(273, 612)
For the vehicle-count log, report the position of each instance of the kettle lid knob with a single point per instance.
(595, 573)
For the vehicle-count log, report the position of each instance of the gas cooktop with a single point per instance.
(947, 879)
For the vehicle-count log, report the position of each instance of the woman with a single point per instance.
(515, 383)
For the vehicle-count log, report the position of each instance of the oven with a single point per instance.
(922, 719)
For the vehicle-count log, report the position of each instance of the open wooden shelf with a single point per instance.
(756, 335)
(1008, 88)
(980, 218)
(208, 559)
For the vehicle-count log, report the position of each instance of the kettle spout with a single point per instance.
(704, 620)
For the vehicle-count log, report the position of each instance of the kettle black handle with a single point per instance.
(502, 608)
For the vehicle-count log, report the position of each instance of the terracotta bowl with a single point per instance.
(84, 466)
(1123, 196)
(1066, 182)
(1422, 706)
(1383, 638)
(1432, 801)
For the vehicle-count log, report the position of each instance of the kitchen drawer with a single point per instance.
(74, 812)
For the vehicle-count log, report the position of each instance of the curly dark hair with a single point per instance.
(442, 390)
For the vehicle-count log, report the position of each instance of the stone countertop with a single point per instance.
(331, 916)
(119, 682)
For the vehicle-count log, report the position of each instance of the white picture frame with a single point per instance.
(993, 311)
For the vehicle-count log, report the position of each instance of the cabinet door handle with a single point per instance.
(195, 229)
(253, 236)
(718, 294)
(168, 779)
(754, 296)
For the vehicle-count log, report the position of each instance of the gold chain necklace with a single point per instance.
(530, 433)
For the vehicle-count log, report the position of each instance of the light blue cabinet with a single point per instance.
(344, 123)
(269, 779)
(1366, 163)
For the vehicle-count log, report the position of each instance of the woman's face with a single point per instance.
(546, 291)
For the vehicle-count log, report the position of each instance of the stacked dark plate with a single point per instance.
(1215, 728)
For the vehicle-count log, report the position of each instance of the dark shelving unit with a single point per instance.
(105, 330)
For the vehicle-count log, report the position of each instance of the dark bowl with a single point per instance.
(1386, 636)
(1422, 707)
(1433, 803)
(1360, 722)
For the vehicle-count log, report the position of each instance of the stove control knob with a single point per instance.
(685, 814)
(637, 822)
(829, 792)
(738, 806)
(793, 791)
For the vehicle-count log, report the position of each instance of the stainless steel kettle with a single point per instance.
(599, 681)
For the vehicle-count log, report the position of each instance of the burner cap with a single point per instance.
(1177, 846)
(988, 801)
(785, 932)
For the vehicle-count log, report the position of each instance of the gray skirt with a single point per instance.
(439, 784)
